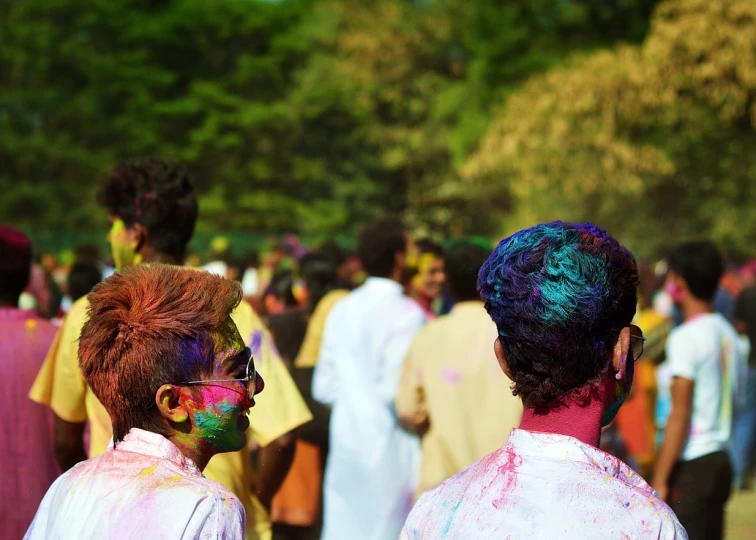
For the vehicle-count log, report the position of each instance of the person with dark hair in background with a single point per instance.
(450, 376)
(164, 357)
(744, 428)
(26, 438)
(563, 297)
(297, 509)
(426, 276)
(372, 462)
(153, 208)
(82, 278)
(693, 471)
(279, 295)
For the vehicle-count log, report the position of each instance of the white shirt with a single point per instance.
(707, 351)
(372, 464)
(143, 488)
(543, 486)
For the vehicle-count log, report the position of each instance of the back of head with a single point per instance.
(378, 244)
(82, 278)
(333, 253)
(159, 195)
(463, 261)
(701, 266)
(15, 264)
(319, 276)
(150, 325)
(559, 294)
(282, 287)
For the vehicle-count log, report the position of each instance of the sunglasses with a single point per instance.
(636, 341)
(249, 380)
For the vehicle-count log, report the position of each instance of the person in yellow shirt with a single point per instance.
(452, 391)
(153, 209)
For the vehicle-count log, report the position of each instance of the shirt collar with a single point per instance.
(151, 444)
(563, 447)
(467, 306)
(386, 284)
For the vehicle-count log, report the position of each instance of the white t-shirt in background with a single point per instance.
(705, 350)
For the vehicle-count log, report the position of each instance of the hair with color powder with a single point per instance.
(150, 325)
(378, 244)
(15, 263)
(559, 294)
(463, 261)
(159, 195)
(701, 266)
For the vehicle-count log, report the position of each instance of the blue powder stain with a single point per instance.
(256, 342)
(448, 525)
(627, 504)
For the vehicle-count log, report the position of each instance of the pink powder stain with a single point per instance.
(506, 477)
(450, 375)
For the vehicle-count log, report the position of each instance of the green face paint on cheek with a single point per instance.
(218, 421)
(218, 425)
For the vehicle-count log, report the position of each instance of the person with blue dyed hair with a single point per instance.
(562, 297)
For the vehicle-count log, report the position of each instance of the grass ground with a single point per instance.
(741, 517)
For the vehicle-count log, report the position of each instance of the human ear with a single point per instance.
(139, 236)
(499, 352)
(169, 404)
(619, 357)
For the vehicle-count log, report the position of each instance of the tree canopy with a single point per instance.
(656, 142)
(467, 116)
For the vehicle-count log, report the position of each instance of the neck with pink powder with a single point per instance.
(578, 417)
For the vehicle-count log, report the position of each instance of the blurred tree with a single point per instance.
(308, 115)
(656, 143)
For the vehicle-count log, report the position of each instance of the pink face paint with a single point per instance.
(218, 415)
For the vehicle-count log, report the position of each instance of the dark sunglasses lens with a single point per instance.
(251, 377)
(637, 348)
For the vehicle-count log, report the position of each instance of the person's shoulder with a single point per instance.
(431, 331)
(78, 313)
(653, 517)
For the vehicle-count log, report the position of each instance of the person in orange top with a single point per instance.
(153, 208)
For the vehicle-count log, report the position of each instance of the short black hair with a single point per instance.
(560, 294)
(333, 253)
(282, 287)
(15, 263)
(463, 261)
(82, 279)
(378, 244)
(319, 275)
(701, 265)
(426, 245)
(158, 194)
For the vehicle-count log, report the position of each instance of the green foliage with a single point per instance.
(657, 142)
(316, 115)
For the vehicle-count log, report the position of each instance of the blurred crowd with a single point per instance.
(429, 346)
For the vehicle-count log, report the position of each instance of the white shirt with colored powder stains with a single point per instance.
(143, 488)
(543, 486)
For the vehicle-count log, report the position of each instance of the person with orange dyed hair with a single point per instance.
(152, 207)
(162, 354)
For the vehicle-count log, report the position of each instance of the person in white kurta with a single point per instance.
(143, 488)
(372, 465)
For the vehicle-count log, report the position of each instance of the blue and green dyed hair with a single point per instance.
(560, 294)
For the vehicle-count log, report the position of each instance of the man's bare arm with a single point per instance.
(69, 443)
